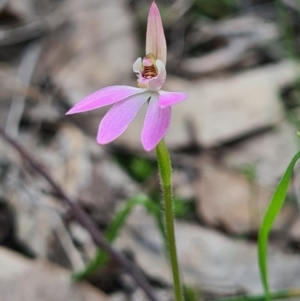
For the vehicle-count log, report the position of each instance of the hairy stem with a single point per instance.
(165, 172)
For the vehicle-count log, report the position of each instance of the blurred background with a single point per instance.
(230, 142)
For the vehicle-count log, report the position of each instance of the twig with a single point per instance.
(25, 73)
(84, 220)
(35, 29)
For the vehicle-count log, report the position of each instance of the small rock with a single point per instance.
(243, 36)
(269, 153)
(66, 158)
(228, 200)
(27, 280)
(183, 183)
(23, 9)
(295, 231)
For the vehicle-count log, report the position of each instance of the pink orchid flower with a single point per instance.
(151, 73)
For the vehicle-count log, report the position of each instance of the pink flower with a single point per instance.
(127, 101)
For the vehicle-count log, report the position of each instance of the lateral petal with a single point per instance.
(137, 65)
(104, 97)
(117, 119)
(166, 99)
(156, 124)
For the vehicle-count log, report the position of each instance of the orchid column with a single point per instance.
(127, 101)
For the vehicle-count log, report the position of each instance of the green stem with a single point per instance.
(165, 171)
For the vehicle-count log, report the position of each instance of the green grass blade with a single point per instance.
(116, 225)
(273, 210)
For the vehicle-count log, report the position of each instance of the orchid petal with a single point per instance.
(156, 123)
(137, 66)
(104, 97)
(154, 84)
(155, 37)
(117, 119)
(166, 99)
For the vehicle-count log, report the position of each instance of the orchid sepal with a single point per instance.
(155, 36)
